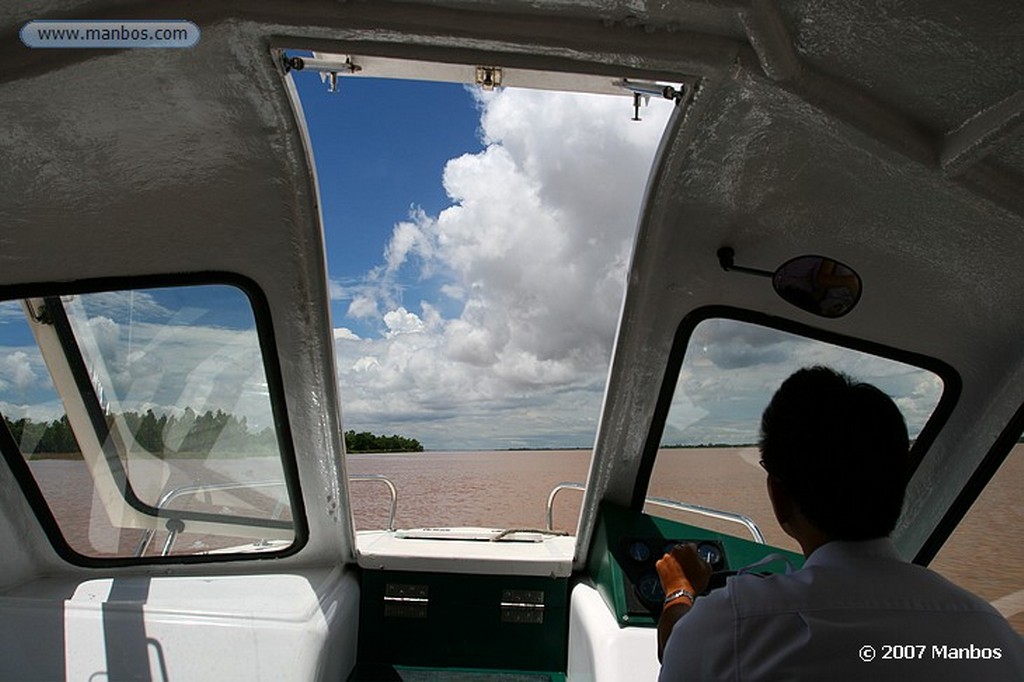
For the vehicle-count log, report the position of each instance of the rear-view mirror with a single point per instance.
(818, 285)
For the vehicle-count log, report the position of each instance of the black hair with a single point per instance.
(840, 448)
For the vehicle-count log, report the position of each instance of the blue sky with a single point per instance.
(380, 148)
(385, 143)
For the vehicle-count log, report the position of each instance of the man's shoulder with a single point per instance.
(862, 584)
(769, 626)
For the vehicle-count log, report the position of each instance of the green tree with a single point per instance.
(149, 434)
(160, 434)
(365, 441)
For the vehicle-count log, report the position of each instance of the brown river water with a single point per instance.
(509, 489)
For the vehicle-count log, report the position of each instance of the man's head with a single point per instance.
(839, 449)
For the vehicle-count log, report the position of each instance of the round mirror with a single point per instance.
(818, 285)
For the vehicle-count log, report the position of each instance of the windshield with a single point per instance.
(477, 244)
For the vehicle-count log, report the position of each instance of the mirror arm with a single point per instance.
(726, 258)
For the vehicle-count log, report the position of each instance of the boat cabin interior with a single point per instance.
(825, 183)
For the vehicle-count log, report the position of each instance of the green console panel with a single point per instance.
(446, 620)
(627, 544)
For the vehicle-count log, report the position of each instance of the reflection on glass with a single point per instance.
(145, 417)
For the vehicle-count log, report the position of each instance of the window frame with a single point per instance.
(952, 383)
(972, 489)
(15, 459)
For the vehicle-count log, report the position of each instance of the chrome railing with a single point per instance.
(391, 486)
(175, 526)
(669, 504)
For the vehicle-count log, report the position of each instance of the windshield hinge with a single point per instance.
(38, 312)
(642, 92)
(488, 77)
(329, 69)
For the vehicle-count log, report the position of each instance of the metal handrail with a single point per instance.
(670, 504)
(551, 499)
(391, 486)
(713, 513)
(195, 489)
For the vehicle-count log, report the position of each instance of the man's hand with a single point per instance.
(683, 568)
(680, 569)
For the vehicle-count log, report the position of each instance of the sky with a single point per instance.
(477, 248)
(477, 245)
(731, 369)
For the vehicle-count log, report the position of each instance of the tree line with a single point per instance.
(43, 437)
(190, 433)
(368, 442)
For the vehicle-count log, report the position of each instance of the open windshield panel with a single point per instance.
(144, 419)
(477, 243)
(708, 452)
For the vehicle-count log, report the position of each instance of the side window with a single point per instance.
(708, 452)
(145, 418)
(992, 528)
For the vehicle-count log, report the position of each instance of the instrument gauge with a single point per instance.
(639, 551)
(709, 552)
(649, 588)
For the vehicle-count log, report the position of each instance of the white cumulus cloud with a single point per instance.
(16, 370)
(363, 306)
(529, 263)
(401, 321)
(345, 334)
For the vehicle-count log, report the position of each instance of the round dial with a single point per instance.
(649, 588)
(709, 553)
(639, 552)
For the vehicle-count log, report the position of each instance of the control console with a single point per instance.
(637, 557)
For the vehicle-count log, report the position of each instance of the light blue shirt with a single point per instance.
(855, 611)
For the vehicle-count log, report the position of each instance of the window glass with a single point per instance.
(708, 452)
(477, 244)
(145, 418)
(984, 554)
